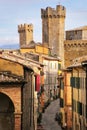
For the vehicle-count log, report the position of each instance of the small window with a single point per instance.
(75, 32)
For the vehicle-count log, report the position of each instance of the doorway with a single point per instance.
(6, 113)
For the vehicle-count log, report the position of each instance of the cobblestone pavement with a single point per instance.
(48, 117)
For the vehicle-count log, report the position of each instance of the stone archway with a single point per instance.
(6, 113)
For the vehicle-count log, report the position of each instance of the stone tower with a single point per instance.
(25, 34)
(53, 28)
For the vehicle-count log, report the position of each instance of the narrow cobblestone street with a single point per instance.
(48, 117)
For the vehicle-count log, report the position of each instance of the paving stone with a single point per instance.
(48, 118)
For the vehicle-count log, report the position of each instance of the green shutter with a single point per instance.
(79, 108)
(72, 81)
(74, 105)
(77, 82)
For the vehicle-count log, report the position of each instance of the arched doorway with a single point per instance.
(6, 113)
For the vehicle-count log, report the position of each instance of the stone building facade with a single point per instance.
(75, 47)
(78, 84)
(53, 24)
(17, 88)
(25, 34)
(43, 54)
(11, 83)
(66, 99)
(77, 33)
(75, 44)
(10, 110)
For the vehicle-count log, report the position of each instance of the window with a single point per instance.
(76, 32)
(72, 81)
(61, 102)
(79, 108)
(77, 82)
(59, 66)
(74, 105)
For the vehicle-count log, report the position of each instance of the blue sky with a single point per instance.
(15, 12)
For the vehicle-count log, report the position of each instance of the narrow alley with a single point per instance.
(48, 117)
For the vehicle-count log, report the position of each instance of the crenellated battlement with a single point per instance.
(53, 24)
(75, 43)
(25, 27)
(25, 33)
(49, 12)
(74, 49)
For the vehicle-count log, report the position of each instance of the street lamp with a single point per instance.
(84, 66)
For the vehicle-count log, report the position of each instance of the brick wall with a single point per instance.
(74, 49)
(13, 94)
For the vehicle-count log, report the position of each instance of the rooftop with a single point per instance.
(79, 28)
